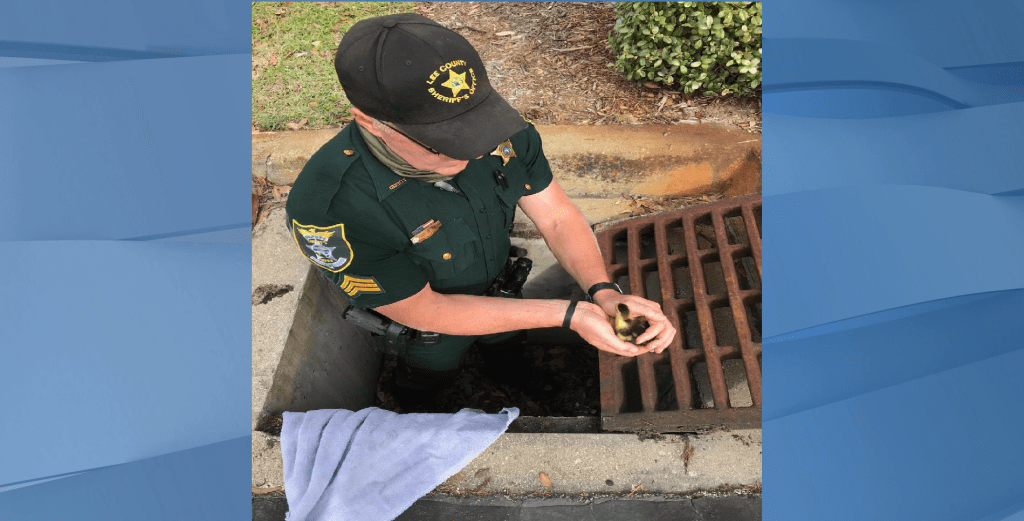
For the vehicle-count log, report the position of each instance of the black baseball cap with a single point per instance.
(427, 81)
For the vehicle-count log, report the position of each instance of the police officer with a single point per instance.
(407, 210)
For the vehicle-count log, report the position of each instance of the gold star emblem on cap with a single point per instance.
(505, 152)
(456, 82)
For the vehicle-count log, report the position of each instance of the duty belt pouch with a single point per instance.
(388, 348)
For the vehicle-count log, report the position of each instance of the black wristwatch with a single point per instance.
(602, 285)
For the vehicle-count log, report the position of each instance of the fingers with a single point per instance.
(623, 349)
(652, 332)
(658, 337)
(661, 332)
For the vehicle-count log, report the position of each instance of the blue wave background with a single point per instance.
(125, 252)
(893, 238)
(893, 247)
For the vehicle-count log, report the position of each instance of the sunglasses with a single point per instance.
(432, 151)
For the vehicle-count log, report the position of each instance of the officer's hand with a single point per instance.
(590, 321)
(661, 332)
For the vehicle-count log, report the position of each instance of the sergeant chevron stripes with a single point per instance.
(353, 286)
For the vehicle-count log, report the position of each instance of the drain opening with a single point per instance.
(754, 319)
(648, 250)
(703, 398)
(736, 381)
(725, 327)
(633, 401)
(705, 232)
(746, 272)
(691, 329)
(620, 248)
(714, 278)
(666, 386)
(652, 284)
(623, 281)
(676, 238)
(734, 227)
(681, 282)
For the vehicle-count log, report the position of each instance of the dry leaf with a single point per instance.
(312, 103)
(650, 85)
(281, 192)
(318, 42)
(265, 490)
(545, 480)
(687, 454)
(505, 33)
(281, 10)
(255, 207)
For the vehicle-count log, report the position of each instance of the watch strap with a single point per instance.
(602, 285)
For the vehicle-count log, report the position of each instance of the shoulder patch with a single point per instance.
(325, 247)
(353, 286)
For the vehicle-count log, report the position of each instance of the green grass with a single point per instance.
(295, 79)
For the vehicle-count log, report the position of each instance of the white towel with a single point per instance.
(373, 464)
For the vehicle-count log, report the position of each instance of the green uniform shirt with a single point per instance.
(382, 237)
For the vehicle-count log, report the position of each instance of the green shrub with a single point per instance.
(713, 48)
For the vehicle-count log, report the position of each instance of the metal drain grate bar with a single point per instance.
(703, 264)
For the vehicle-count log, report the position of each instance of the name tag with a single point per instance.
(425, 231)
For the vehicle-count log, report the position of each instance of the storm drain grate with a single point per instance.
(703, 264)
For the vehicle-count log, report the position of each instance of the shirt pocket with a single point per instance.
(448, 252)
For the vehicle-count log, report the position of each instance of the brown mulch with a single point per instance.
(550, 61)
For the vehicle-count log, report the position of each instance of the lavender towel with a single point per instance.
(373, 464)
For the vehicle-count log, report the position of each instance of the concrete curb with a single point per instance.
(596, 165)
(272, 507)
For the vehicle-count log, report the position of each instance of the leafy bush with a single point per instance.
(714, 48)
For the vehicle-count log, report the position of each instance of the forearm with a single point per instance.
(573, 243)
(470, 315)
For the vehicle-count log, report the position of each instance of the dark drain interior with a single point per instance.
(703, 264)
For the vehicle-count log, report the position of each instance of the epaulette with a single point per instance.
(331, 163)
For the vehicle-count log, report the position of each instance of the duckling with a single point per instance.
(627, 327)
